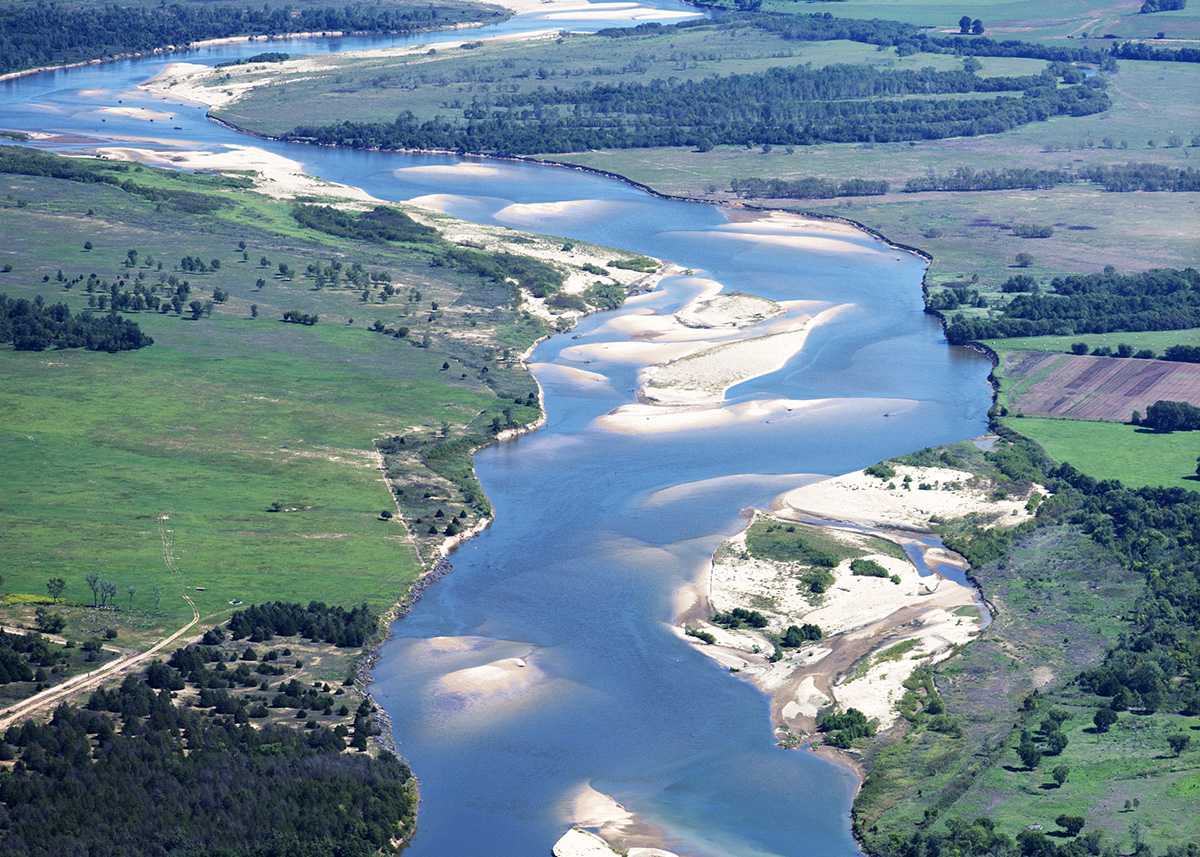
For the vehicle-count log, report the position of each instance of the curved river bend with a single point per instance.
(579, 575)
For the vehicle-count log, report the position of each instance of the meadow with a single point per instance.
(1137, 457)
(234, 460)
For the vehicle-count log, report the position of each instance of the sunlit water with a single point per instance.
(578, 574)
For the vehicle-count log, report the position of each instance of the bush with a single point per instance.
(882, 470)
(868, 568)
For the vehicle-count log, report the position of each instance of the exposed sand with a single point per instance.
(144, 113)
(705, 377)
(581, 10)
(274, 175)
(868, 499)
(653, 419)
(859, 617)
(617, 832)
(505, 676)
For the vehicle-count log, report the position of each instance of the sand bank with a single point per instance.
(143, 113)
(274, 175)
(580, 10)
(868, 499)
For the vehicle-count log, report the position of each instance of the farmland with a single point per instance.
(1043, 384)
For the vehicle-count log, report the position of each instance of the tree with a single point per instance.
(1072, 824)
(50, 623)
(55, 586)
(1024, 260)
(87, 245)
(1104, 718)
(1179, 742)
(977, 28)
(254, 310)
(1079, 348)
(197, 309)
(93, 582)
(964, 24)
(1028, 751)
(1056, 742)
(1060, 774)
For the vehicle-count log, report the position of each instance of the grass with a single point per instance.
(445, 85)
(1059, 599)
(1028, 20)
(1157, 341)
(783, 542)
(1135, 456)
(1130, 762)
(156, 468)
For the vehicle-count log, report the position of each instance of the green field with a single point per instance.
(157, 468)
(1157, 341)
(1012, 19)
(1135, 456)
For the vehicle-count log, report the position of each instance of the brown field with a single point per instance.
(1042, 383)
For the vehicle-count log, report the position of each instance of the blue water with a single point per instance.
(578, 574)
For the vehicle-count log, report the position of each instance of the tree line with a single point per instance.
(806, 188)
(1161, 299)
(37, 34)
(784, 106)
(35, 326)
(1115, 178)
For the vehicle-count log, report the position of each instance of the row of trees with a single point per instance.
(806, 188)
(36, 34)
(780, 106)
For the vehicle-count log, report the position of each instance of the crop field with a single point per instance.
(1045, 384)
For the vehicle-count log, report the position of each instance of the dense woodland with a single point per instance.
(37, 34)
(781, 106)
(1163, 299)
(147, 769)
(34, 326)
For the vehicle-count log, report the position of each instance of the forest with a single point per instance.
(197, 778)
(38, 34)
(1164, 299)
(34, 326)
(783, 106)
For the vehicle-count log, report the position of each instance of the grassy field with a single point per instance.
(1135, 456)
(157, 469)
(1155, 340)
(445, 84)
(1014, 19)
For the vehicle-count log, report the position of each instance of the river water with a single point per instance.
(597, 531)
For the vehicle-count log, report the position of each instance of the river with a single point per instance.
(578, 577)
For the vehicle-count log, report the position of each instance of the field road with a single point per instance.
(86, 681)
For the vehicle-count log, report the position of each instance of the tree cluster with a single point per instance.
(1161, 299)
(806, 188)
(35, 326)
(317, 621)
(784, 106)
(1166, 416)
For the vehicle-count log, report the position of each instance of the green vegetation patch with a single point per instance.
(1134, 455)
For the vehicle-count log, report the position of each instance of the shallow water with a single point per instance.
(579, 574)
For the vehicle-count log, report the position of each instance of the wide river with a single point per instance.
(597, 531)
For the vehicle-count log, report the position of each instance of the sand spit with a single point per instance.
(706, 376)
(602, 827)
(274, 175)
(875, 630)
(143, 113)
(915, 498)
(580, 10)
